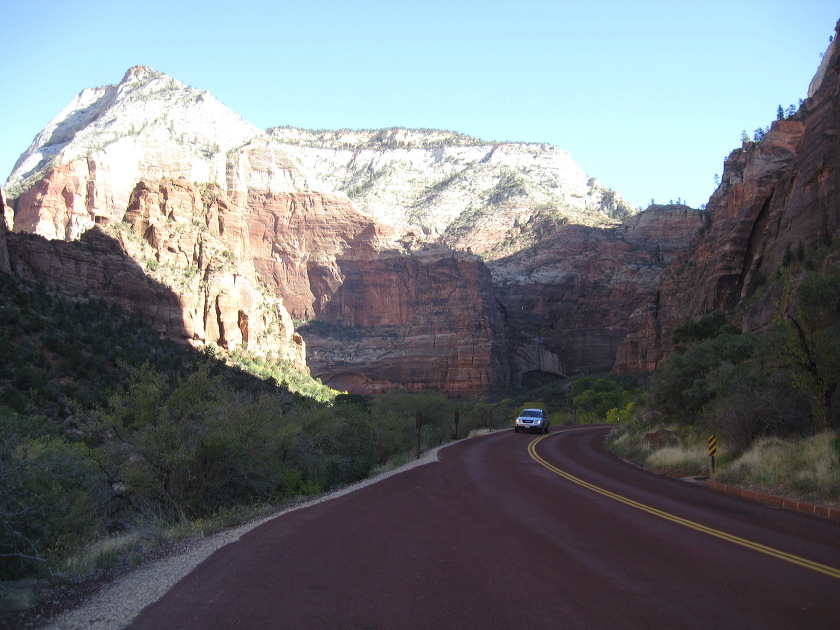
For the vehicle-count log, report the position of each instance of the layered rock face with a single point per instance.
(295, 238)
(428, 320)
(425, 184)
(5, 264)
(780, 197)
(569, 299)
(469, 194)
(169, 261)
(219, 210)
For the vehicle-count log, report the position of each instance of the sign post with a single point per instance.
(712, 450)
(419, 423)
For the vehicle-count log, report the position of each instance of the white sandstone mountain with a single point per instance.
(149, 124)
(432, 184)
(429, 185)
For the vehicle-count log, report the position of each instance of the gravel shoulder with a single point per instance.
(113, 604)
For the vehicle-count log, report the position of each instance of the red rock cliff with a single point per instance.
(778, 197)
(428, 320)
(171, 263)
(568, 299)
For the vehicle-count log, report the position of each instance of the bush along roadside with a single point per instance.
(771, 400)
(112, 439)
(805, 468)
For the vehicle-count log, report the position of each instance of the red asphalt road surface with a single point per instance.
(488, 538)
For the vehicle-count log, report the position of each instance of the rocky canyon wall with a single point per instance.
(427, 320)
(167, 263)
(568, 300)
(779, 198)
(154, 196)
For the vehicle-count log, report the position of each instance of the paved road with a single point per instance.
(500, 535)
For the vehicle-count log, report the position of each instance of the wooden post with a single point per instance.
(418, 423)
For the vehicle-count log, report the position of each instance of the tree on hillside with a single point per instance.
(706, 327)
(809, 339)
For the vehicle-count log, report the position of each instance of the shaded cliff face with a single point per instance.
(167, 263)
(569, 299)
(7, 222)
(196, 264)
(295, 238)
(428, 320)
(779, 197)
(97, 267)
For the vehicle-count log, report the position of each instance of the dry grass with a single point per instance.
(808, 467)
(690, 457)
(102, 554)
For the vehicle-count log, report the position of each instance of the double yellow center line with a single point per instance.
(743, 542)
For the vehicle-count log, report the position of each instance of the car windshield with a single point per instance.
(531, 413)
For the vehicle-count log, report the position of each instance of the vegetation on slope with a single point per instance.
(771, 399)
(108, 433)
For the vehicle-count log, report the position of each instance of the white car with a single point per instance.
(532, 420)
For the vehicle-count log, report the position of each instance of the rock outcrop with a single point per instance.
(169, 261)
(5, 264)
(469, 194)
(424, 321)
(779, 198)
(569, 299)
(198, 241)
(58, 206)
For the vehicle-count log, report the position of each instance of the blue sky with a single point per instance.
(649, 97)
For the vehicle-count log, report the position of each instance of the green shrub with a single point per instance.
(52, 502)
(752, 400)
(625, 441)
(682, 386)
(624, 415)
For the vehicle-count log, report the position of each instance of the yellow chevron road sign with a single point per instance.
(712, 445)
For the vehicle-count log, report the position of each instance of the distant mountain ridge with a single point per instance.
(429, 185)
(375, 241)
(465, 192)
(403, 258)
